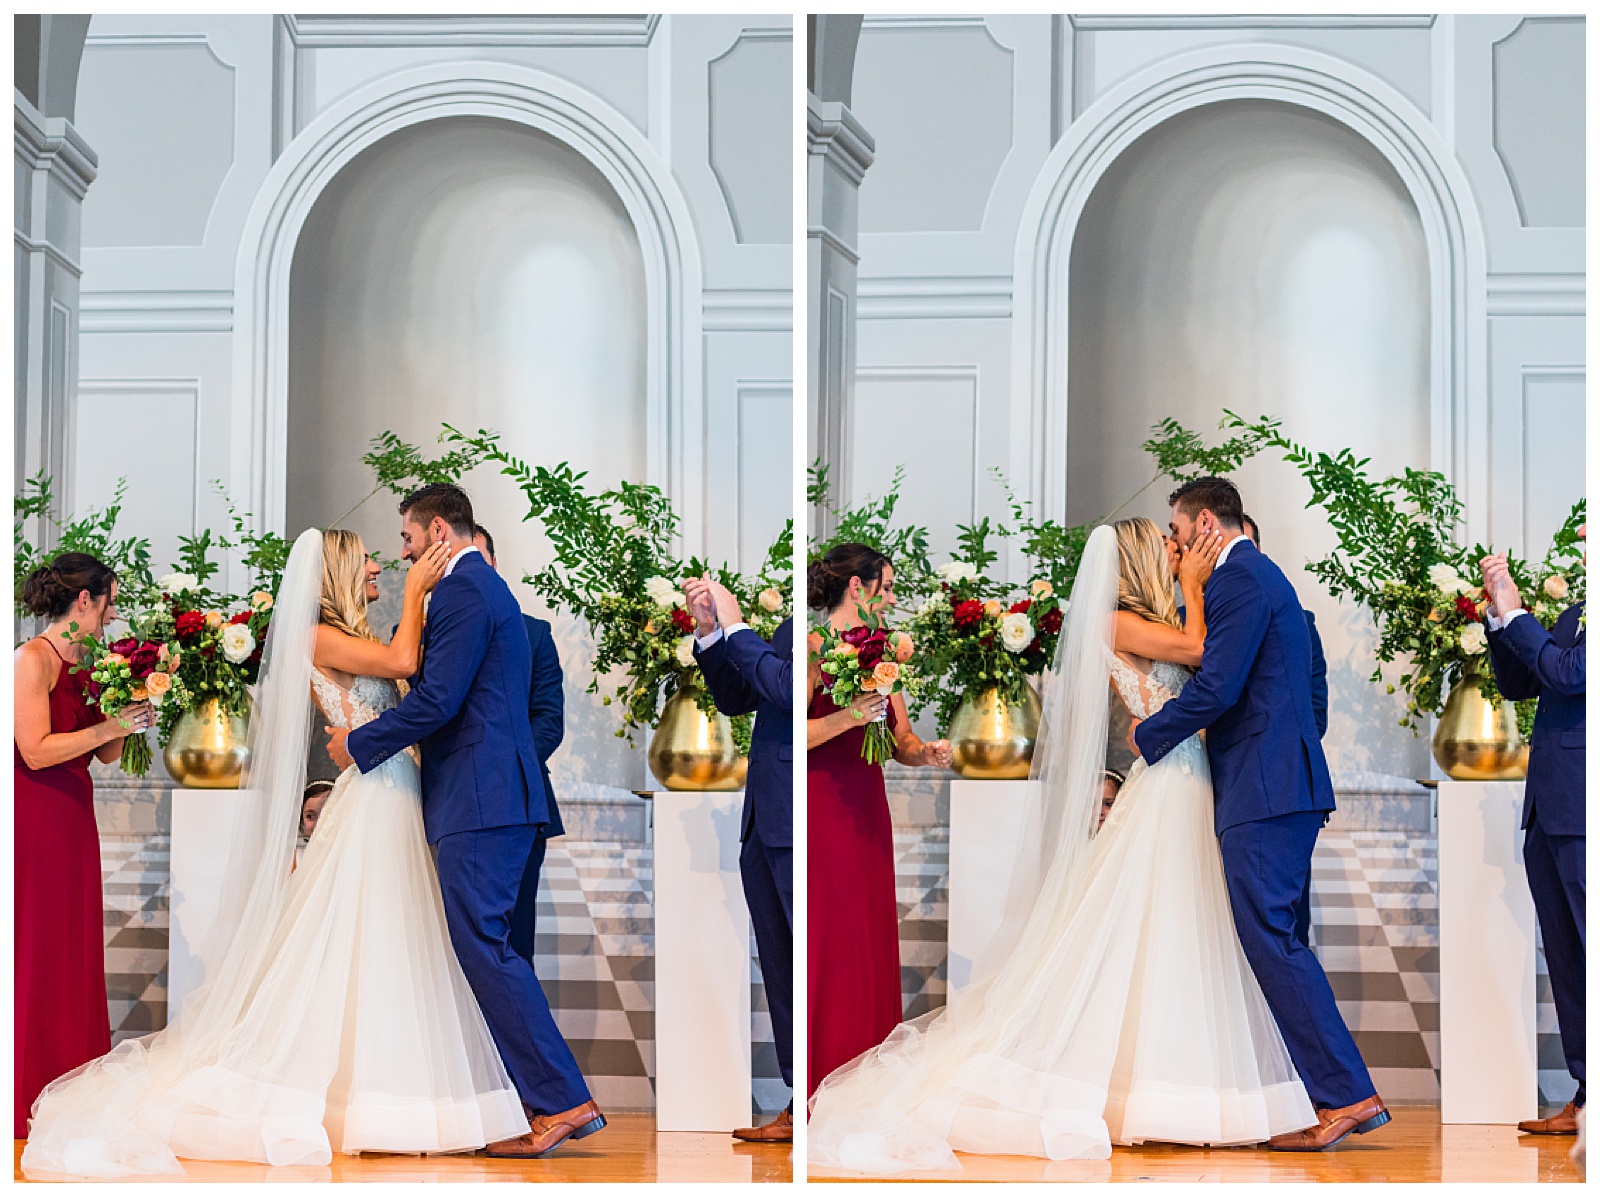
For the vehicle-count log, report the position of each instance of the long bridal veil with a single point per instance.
(117, 1115)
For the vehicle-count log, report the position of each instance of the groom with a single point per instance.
(1252, 696)
(483, 805)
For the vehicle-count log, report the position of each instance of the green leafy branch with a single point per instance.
(93, 533)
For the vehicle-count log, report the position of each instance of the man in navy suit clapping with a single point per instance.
(745, 674)
(1552, 665)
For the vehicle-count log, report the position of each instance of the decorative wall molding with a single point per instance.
(1537, 295)
(1538, 373)
(1506, 153)
(158, 311)
(749, 182)
(674, 400)
(932, 21)
(733, 310)
(132, 387)
(966, 373)
(888, 298)
(835, 135)
(761, 391)
(1368, 106)
(319, 31)
(52, 145)
(1118, 23)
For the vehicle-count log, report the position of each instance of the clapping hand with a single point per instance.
(702, 602)
(1498, 585)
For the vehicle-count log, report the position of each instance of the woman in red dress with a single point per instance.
(853, 951)
(61, 1018)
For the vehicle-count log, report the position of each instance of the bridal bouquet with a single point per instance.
(867, 658)
(1398, 557)
(126, 671)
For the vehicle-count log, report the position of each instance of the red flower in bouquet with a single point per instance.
(870, 645)
(1466, 608)
(967, 615)
(1050, 623)
(239, 619)
(124, 647)
(190, 623)
(144, 660)
(681, 621)
(1021, 606)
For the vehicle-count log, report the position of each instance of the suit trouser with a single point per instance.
(525, 917)
(768, 875)
(1266, 864)
(480, 875)
(1555, 867)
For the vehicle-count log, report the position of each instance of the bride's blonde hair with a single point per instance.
(1144, 579)
(344, 584)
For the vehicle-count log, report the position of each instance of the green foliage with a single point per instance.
(872, 523)
(401, 468)
(1182, 455)
(93, 533)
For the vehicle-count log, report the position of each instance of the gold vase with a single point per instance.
(692, 752)
(1476, 740)
(991, 739)
(208, 747)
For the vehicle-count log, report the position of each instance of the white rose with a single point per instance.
(237, 643)
(177, 581)
(660, 589)
(1016, 632)
(686, 650)
(1556, 588)
(956, 571)
(770, 599)
(1473, 640)
(1447, 580)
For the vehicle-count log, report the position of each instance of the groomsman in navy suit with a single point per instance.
(1272, 792)
(745, 674)
(547, 708)
(1551, 664)
(1319, 711)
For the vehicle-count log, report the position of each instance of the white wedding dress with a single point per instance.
(347, 1026)
(1120, 1009)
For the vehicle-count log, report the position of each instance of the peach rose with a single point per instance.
(902, 647)
(213, 620)
(114, 658)
(139, 693)
(770, 599)
(157, 683)
(1041, 589)
(993, 608)
(261, 601)
(885, 674)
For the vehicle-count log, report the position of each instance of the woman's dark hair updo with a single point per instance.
(828, 579)
(50, 590)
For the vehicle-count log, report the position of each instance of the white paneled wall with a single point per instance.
(1268, 258)
(462, 269)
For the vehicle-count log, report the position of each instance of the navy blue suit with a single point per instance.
(1252, 696)
(547, 710)
(744, 674)
(1319, 711)
(1552, 665)
(482, 807)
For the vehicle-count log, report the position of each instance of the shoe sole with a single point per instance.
(1546, 1133)
(1381, 1118)
(593, 1126)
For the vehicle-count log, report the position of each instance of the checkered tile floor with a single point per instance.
(1375, 927)
(594, 952)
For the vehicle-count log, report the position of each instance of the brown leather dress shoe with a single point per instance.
(1334, 1126)
(779, 1130)
(549, 1131)
(1565, 1122)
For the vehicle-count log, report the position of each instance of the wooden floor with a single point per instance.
(628, 1150)
(1412, 1148)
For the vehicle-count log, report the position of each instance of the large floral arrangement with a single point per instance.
(1398, 557)
(124, 672)
(869, 657)
(615, 568)
(977, 633)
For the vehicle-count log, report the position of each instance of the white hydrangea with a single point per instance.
(664, 592)
(1473, 640)
(1016, 632)
(685, 650)
(956, 571)
(237, 643)
(177, 581)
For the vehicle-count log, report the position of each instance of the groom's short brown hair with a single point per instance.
(445, 501)
(1210, 492)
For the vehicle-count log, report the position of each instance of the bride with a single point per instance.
(1116, 1005)
(334, 1015)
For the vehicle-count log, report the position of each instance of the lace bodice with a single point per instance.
(1145, 694)
(351, 708)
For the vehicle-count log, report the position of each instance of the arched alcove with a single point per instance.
(480, 272)
(1261, 257)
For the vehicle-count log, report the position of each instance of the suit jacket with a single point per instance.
(745, 674)
(1552, 664)
(1252, 696)
(1319, 674)
(547, 710)
(467, 710)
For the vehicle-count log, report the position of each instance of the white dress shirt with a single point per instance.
(456, 558)
(711, 639)
(1232, 542)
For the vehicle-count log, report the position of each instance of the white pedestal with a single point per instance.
(202, 831)
(1488, 1049)
(702, 964)
(985, 837)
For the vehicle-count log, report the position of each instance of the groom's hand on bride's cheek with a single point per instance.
(336, 749)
